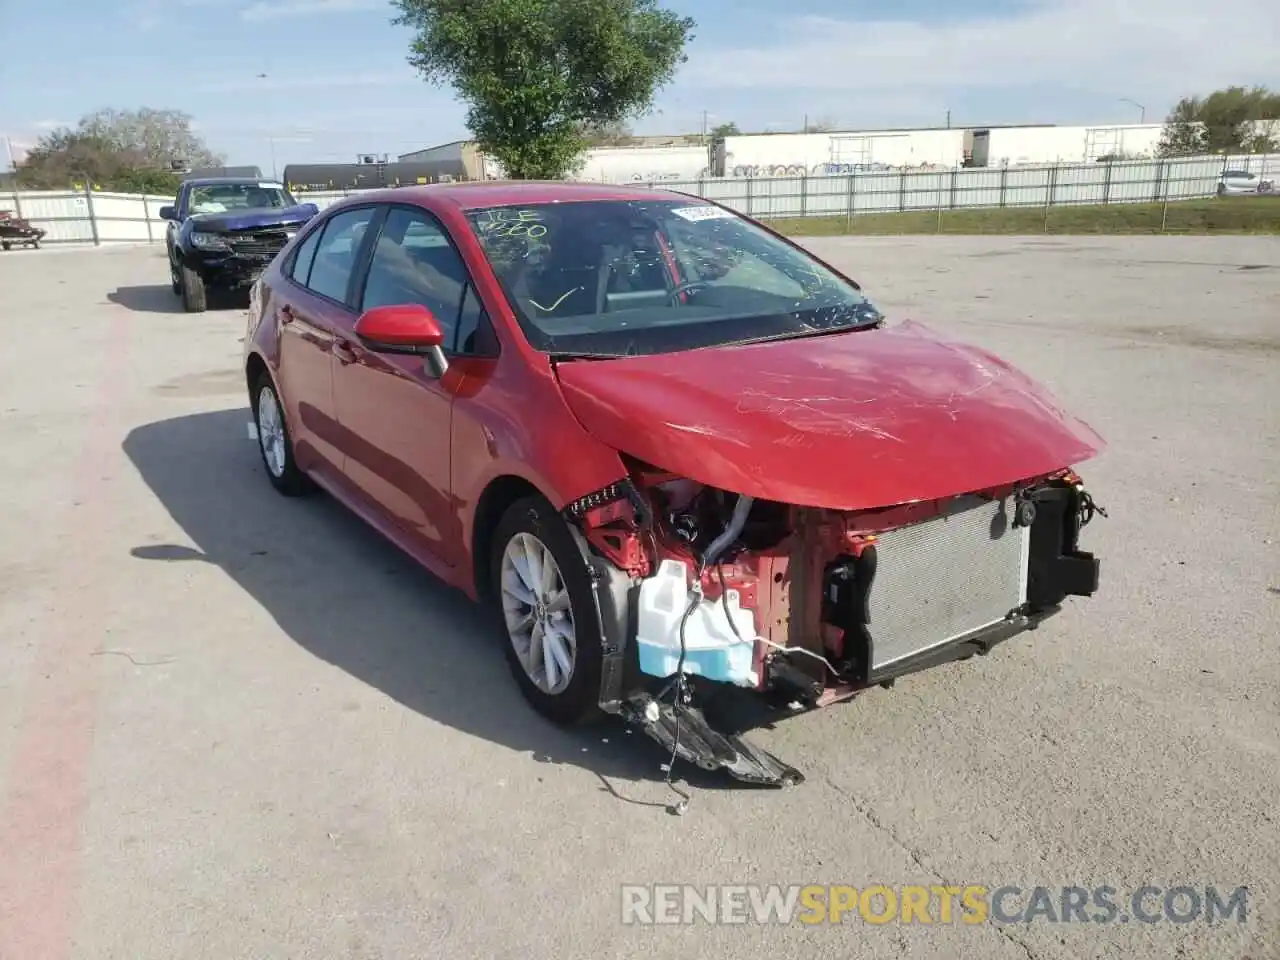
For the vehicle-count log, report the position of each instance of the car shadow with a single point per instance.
(162, 299)
(349, 597)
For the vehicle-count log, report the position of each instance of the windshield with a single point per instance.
(221, 197)
(622, 277)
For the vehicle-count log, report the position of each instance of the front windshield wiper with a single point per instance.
(801, 334)
(558, 356)
(869, 321)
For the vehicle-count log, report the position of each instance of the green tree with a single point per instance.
(722, 130)
(64, 157)
(1232, 120)
(536, 73)
(133, 151)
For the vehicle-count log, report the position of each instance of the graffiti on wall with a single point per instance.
(654, 176)
(826, 169)
(642, 176)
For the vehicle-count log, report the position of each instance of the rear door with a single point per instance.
(314, 310)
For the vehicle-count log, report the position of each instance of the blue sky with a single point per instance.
(336, 82)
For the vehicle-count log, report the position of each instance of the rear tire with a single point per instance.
(560, 609)
(275, 443)
(7, 246)
(195, 298)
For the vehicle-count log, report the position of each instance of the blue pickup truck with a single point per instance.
(223, 231)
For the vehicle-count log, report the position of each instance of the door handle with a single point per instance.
(342, 350)
(287, 315)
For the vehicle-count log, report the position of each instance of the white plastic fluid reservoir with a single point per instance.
(712, 650)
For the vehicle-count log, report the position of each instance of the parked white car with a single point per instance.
(1234, 182)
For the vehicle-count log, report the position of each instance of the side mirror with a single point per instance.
(410, 329)
(311, 208)
(168, 213)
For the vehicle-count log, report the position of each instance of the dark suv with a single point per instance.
(223, 231)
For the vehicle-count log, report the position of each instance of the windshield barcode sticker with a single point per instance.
(703, 213)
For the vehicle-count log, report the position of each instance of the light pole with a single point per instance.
(272, 141)
(1142, 111)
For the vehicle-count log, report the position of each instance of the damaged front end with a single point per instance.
(698, 587)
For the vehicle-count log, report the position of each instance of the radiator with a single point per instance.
(943, 578)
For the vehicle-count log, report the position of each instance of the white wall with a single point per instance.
(914, 148)
(1028, 145)
(791, 154)
(643, 164)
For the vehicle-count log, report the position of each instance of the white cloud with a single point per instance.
(290, 9)
(147, 15)
(1159, 49)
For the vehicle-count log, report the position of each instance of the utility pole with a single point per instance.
(705, 115)
(948, 119)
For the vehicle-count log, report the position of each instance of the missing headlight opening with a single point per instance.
(807, 606)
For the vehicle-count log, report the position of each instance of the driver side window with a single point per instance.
(414, 262)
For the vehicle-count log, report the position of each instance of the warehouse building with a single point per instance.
(834, 152)
(793, 154)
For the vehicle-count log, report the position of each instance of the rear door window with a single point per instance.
(335, 254)
(301, 268)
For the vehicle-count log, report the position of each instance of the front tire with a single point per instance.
(541, 583)
(195, 298)
(275, 443)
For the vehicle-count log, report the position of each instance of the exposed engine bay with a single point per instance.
(698, 586)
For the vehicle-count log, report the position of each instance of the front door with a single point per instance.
(395, 416)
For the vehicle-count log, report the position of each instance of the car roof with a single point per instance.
(477, 194)
(212, 181)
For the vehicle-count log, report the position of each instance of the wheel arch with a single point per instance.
(254, 367)
(499, 494)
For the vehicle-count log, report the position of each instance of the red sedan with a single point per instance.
(674, 451)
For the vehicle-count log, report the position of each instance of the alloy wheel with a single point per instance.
(538, 613)
(271, 432)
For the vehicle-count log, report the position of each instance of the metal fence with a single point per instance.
(88, 216)
(92, 217)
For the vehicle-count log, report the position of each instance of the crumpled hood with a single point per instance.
(249, 219)
(847, 422)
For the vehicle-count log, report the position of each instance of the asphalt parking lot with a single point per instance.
(233, 725)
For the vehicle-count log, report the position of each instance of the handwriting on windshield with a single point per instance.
(513, 223)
